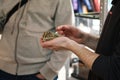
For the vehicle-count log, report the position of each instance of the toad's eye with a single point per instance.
(49, 35)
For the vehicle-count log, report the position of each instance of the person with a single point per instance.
(21, 55)
(104, 62)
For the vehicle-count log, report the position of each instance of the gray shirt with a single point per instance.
(20, 49)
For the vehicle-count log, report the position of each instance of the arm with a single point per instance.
(78, 35)
(99, 64)
(88, 57)
(90, 41)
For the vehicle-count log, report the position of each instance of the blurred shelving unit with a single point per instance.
(90, 15)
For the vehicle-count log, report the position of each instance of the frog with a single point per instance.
(49, 35)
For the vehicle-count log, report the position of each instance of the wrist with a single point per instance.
(85, 38)
(71, 45)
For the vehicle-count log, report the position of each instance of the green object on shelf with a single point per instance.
(91, 15)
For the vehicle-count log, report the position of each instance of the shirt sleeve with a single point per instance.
(107, 67)
(64, 15)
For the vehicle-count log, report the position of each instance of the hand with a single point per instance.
(71, 32)
(40, 76)
(57, 43)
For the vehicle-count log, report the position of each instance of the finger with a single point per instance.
(60, 32)
(49, 43)
(45, 45)
(41, 40)
(62, 27)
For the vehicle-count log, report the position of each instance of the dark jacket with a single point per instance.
(107, 65)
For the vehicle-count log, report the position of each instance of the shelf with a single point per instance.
(91, 15)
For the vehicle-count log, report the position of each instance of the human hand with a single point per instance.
(71, 32)
(57, 43)
(40, 76)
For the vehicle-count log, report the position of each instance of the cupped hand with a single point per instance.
(57, 43)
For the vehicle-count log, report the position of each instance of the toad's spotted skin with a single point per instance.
(49, 35)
